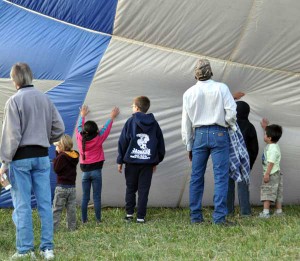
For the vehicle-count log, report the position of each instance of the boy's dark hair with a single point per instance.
(274, 132)
(143, 103)
(90, 131)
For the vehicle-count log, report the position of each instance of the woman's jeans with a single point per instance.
(243, 195)
(210, 140)
(27, 175)
(91, 178)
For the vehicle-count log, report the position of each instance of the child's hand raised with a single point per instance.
(84, 110)
(114, 112)
(264, 123)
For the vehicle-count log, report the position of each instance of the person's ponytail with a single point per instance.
(84, 136)
(90, 131)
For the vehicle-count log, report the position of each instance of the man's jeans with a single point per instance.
(210, 140)
(65, 197)
(91, 178)
(243, 195)
(26, 175)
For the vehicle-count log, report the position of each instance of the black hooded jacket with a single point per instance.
(141, 141)
(65, 165)
(248, 130)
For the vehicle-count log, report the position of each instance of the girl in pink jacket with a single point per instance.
(89, 141)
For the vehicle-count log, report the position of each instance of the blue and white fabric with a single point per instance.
(106, 52)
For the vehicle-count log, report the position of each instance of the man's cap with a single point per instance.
(203, 70)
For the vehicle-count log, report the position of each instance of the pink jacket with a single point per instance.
(93, 148)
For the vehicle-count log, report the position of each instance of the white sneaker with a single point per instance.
(278, 214)
(29, 254)
(47, 254)
(140, 220)
(264, 215)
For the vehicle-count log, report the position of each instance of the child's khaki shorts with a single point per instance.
(272, 190)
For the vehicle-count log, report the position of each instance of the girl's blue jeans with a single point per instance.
(91, 179)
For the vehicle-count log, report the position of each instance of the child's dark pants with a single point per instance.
(138, 179)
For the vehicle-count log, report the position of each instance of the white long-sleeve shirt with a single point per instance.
(206, 103)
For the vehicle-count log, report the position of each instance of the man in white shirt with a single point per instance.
(208, 111)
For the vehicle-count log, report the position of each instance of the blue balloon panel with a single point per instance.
(97, 15)
(54, 51)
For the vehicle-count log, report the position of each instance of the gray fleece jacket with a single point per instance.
(30, 118)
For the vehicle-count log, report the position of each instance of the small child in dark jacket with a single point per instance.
(250, 138)
(141, 148)
(65, 165)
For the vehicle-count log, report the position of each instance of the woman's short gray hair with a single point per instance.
(21, 74)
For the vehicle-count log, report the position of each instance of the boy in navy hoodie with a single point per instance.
(141, 148)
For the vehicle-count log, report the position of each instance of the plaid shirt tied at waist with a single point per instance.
(239, 161)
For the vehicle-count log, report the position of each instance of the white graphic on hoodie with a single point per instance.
(144, 152)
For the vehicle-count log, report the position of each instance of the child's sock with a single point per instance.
(129, 215)
(278, 211)
(266, 211)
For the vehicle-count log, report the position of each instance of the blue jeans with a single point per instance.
(26, 175)
(210, 140)
(91, 178)
(243, 195)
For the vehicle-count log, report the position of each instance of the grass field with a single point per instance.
(168, 235)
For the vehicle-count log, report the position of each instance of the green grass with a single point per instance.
(168, 235)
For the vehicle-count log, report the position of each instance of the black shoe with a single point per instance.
(226, 223)
(128, 218)
(140, 220)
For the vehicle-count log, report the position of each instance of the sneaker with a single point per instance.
(29, 254)
(264, 215)
(128, 218)
(140, 221)
(47, 254)
(278, 214)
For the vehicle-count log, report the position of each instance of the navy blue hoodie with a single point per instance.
(141, 141)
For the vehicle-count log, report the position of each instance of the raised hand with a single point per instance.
(84, 110)
(264, 123)
(238, 95)
(114, 112)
